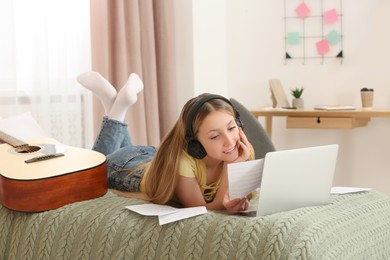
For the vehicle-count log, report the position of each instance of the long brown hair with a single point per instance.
(160, 181)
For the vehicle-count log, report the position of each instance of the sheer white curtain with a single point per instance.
(44, 45)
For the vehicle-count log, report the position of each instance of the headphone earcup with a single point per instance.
(196, 149)
(239, 123)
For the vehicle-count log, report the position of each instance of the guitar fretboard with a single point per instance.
(14, 142)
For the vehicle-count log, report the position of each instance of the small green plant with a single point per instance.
(297, 92)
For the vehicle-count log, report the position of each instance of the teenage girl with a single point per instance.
(190, 165)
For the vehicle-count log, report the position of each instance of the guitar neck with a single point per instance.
(14, 142)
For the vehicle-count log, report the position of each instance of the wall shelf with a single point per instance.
(321, 119)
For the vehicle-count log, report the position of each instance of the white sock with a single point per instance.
(126, 97)
(100, 87)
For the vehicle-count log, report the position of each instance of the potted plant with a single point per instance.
(297, 101)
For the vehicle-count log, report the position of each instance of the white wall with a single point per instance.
(237, 46)
(201, 54)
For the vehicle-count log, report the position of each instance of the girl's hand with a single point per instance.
(243, 147)
(235, 205)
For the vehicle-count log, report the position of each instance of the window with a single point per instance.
(45, 45)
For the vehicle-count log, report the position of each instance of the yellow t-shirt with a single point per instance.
(195, 168)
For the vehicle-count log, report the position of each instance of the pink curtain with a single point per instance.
(137, 36)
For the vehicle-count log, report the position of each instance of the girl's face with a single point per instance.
(219, 135)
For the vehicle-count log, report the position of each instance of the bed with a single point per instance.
(351, 226)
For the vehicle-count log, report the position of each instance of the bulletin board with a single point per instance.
(313, 30)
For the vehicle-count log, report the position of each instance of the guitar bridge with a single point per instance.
(44, 157)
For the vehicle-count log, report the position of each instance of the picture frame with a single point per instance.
(278, 96)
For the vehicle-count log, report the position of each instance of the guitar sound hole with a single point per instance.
(27, 149)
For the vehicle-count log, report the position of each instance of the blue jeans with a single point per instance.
(122, 156)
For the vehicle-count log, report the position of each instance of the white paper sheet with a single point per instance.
(150, 209)
(244, 177)
(167, 214)
(344, 190)
(181, 214)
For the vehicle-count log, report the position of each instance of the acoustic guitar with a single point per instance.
(44, 174)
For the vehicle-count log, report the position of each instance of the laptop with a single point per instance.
(296, 178)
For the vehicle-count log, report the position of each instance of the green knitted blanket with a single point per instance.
(352, 226)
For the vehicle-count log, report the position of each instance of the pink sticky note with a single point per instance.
(322, 46)
(302, 10)
(330, 16)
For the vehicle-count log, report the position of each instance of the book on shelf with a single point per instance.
(334, 107)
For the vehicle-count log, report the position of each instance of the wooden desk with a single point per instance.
(321, 119)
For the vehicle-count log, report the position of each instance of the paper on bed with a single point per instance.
(181, 214)
(167, 214)
(150, 209)
(345, 190)
(244, 177)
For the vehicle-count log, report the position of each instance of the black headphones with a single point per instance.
(194, 147)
